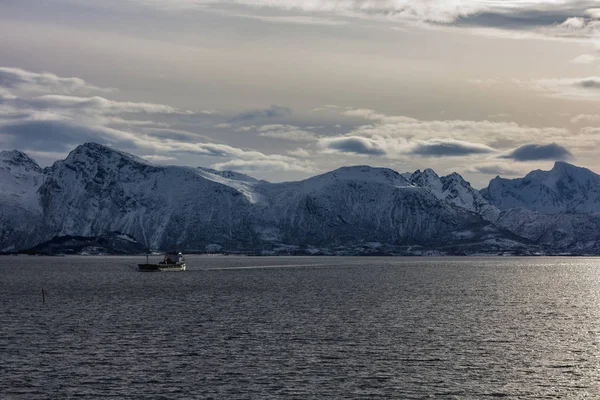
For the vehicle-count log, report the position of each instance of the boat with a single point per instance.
(171, 262)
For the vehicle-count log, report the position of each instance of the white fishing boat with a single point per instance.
(171, 262)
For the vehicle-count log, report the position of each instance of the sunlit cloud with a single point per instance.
(18, 78)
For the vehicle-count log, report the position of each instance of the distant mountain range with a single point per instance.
(357, 210)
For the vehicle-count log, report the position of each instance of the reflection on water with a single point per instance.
(240, 327)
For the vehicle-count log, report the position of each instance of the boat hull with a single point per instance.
(161, 267)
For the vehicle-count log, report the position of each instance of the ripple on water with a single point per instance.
(243, 327)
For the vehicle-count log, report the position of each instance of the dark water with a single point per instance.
(262, 328)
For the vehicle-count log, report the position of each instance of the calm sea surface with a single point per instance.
(293, 327)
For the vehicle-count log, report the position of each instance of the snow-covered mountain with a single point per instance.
(96, 190)
(358, 204)
(455, 190)
(564, 189)
(21, 212)
(556, 233)
(352, 210)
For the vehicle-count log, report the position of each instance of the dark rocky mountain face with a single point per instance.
(113, 243)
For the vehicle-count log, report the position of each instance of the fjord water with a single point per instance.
(292, 327)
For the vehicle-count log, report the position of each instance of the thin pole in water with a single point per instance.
(43, 296)
(147, 262)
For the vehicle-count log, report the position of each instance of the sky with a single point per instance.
(283, 90)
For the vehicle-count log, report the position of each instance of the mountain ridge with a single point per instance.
(351, 210)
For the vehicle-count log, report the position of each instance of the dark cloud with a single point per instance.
(590, 83)
(449, 148)
(355, 145)
(271, 112)
(537, 152)
(53, 135)
(522, 19)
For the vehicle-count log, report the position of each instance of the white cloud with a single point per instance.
(535, 19)
(574, 27)
(286, 132)
(158, 158)
(397, 137)
(293, 19)
(328, 107)
(585, 59)
(491, 133)
(586, 118)
(262, 165)
(44, 82)
(441, 11)
(502, 169)
(587, 88)
(53, 122)
(299, 153)
(101, 105)
(5, 94)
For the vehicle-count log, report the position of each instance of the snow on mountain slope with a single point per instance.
(97, 190)
(241, 182)
(21, 212)
(574, 233)
(564, 189)
(354, 204)
(20, 177)
(231, 175)
(455, 190)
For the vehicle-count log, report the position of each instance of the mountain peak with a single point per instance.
(363, 173)
(565, 188)
(98, 152)
(16, 158)
(362, 170)
(563, 166)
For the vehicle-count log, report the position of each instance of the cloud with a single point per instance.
(16, 78)
(586, 118)
(585, 59)
(271, 112)
(56, 122)
(5, 95)
(293, 19)
(449, 148)
(587, 88)
(537, 152)
(399, 131)
(400, 137)
(299, 153)
(538, 19)
(328, 107)
(100, 105)
(499, 116)
(158, 158)
(286, 132)
(574, 27)
(497, 13)
(261, 165)
(352, 144)
(494, 169)
(61, 135)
